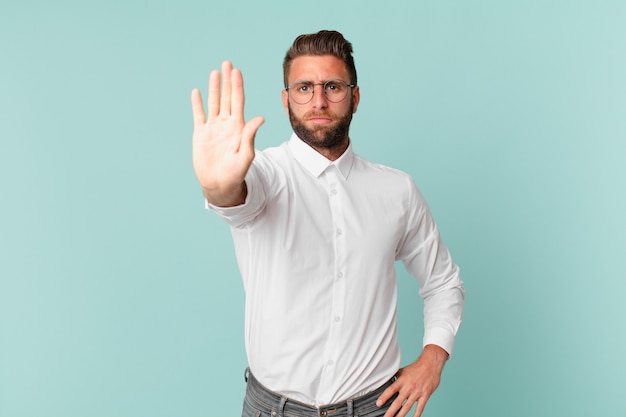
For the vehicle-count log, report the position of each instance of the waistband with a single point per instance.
(277, 405)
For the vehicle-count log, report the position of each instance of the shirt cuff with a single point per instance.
(440, 337)
(238, 215)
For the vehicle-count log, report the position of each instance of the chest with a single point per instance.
(363, 215)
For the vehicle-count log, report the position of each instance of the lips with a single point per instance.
(320, 118)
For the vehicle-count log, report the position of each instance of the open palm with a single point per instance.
(223, 144)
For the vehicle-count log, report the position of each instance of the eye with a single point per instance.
(334, 87)
(302, 88)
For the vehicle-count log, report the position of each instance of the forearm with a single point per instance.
(443, 315)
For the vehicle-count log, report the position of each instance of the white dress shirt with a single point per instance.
(316, 243)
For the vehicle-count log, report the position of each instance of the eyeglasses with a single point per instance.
(334, 90)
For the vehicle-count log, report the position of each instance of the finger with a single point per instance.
(421, 404)
(196, 108)
(237, 97)
(420, 409)
(248, 134)
(406, 408)
(394, 408)
(213, 105)
(227, 69)
(386, 395)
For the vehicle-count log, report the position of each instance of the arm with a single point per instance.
(427, 259)
(223, 145)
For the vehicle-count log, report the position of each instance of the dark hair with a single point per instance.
(324, 42)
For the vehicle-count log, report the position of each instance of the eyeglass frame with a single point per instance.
(323, 89)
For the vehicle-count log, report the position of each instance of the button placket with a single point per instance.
(335, 320)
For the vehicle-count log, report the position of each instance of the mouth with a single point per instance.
(320, 119)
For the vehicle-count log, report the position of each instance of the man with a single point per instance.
(317, 231)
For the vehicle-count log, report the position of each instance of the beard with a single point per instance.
(323, 136)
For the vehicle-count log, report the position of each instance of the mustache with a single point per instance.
(328, 115)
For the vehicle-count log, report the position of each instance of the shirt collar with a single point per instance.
(316, 163)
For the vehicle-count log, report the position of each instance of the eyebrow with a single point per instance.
(321, 82)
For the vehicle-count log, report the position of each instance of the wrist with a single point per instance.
(435, 355)
(227, 198)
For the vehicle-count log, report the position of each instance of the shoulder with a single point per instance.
(272, 151)
(366, 167)
(274, 155)
(269, 169)
(387, 180)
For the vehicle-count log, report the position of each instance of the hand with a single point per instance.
(223, 145)
(416, 383)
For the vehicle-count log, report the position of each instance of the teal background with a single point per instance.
(119, 293)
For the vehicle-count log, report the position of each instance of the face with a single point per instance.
(321, 123)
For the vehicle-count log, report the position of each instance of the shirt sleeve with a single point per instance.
(428, 260)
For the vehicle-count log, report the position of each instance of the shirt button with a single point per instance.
(337, 318)
(333, 192)
(330, 362)
(339, 274)
(339, 232)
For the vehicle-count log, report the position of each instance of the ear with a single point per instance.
(356, 97)
(286, 101)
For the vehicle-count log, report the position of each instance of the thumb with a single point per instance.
(248, 133)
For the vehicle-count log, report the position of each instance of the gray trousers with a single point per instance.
(261, 402)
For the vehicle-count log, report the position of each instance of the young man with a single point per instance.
(317, 231)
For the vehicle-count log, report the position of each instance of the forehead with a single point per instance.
(317, 68)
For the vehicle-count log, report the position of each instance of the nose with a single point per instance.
(319, 100)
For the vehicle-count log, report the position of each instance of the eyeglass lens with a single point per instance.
(334, 90)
